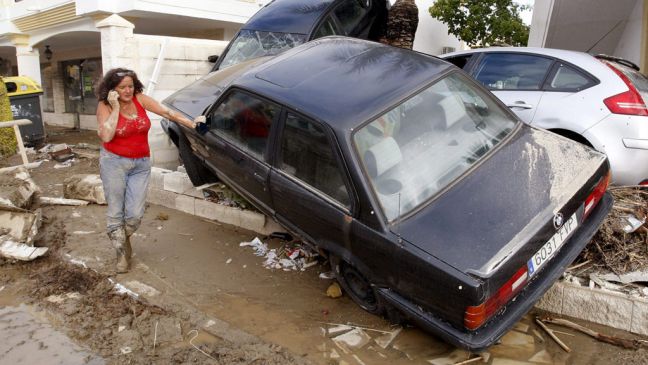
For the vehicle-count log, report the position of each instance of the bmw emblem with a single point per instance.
(558, 220)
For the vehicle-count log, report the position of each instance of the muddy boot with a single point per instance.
(118, 240)
(128, 249)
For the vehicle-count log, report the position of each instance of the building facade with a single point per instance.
(614, 27)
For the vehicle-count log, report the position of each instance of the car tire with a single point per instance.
(198, 174)
(357, 287)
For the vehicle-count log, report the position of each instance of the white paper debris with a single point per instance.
(229, 261)
(142, 288)
(83, 232)
(633, 224)
(20, 251)
(356, 338)
(65, 164)
(44, 200)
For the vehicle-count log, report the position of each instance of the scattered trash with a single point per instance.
(2, 288)
(229, 261)
(633, 224)
(291, 256)
(62, 155)
(327, 275)
(64, 165)
(18, 189)
(334, 290)
(210, 323)
(76, 215)
(356, 338)
(84, 187)
(44, 200)
(141, 288)
(63, 297)
(83, 232)
(342, 328)
(552, 335)
(386, 339)
(121, 289)
(20, 251)
(162, 216)
(622, 342)
(125, 350)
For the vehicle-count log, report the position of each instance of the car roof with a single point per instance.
(342, 81)
(289, 16)
(575, 57)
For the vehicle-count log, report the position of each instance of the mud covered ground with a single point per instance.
(203, 299)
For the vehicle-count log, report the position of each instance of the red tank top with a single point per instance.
(131, 135)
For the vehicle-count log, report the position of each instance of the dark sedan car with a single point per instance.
(284, 24)
(430, 197)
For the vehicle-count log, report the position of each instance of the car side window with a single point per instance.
(459, 61)
(512, 71)
(307, 155)
(326, 28)
(245, 121)
(350, 14)
(568, 78)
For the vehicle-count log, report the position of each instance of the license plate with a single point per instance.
(549, 249)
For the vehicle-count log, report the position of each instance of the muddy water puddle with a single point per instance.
(27, 338)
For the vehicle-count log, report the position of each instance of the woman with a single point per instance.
(124, 160)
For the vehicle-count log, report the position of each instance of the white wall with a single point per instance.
(432, 35)
(629, 46)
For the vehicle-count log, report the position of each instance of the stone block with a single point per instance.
(185, 204)
(162, 197)
(640, 317)
(552, 300)
(218, 212)
(177, 182)
(596, 306)
(85, 187)
(17, 224)
(252, 221)
(157, 178)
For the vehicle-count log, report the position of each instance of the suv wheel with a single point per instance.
(198, 174)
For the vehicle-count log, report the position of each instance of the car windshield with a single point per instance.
(422, 145)
(252, 44)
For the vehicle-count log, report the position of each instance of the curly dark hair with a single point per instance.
(112, 78)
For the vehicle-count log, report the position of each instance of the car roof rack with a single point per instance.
(619, 60)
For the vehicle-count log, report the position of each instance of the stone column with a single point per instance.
(27, 58)
(117, 43)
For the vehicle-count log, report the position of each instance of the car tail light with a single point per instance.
(629, 102)
(476, 316)
(596, 195)
(644, 183)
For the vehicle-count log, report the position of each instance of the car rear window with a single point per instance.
(424, 144)
(639, 80)
(252, 44)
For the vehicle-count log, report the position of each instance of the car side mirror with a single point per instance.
(212, 58)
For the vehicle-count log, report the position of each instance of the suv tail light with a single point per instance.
(476, 316)
(596, 195)
(644, 183)
(629, 102)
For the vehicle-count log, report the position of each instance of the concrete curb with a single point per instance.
(600, 306)
(173, 189)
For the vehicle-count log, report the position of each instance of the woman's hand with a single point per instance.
(113, 99)
(199, 124)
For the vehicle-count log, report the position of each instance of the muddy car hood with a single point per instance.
(496, 210)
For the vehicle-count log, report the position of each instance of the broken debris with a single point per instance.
(84, 187)
(19, 251)
(290, 256)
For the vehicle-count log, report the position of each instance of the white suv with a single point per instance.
(600, 101)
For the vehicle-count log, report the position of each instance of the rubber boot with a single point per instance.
(128, 248)
(118, 240)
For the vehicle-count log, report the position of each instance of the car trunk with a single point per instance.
(497, 216)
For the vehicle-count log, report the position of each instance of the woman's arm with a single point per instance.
(153, 106)
(107, 117)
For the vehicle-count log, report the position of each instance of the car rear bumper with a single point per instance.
(521, 304)
(624, 139)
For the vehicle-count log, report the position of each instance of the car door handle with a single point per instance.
(259, 178)
(520, 104)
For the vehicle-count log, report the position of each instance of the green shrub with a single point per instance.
(8, 143)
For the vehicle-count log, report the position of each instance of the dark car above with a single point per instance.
(430, 198)
(284, 24)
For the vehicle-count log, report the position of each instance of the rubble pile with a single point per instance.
(621, 243)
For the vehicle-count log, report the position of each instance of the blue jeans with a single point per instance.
(125, 182)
